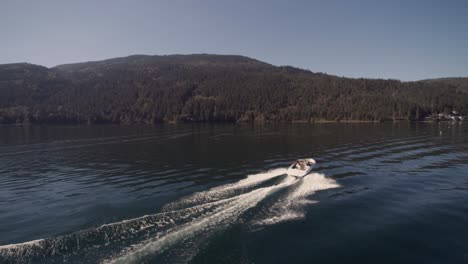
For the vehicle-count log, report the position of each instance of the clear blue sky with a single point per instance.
(406, 40)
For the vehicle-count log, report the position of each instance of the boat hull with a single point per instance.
(301, 172)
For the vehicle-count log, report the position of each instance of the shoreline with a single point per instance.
(322, 121)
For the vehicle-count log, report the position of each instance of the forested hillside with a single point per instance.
(203, 88)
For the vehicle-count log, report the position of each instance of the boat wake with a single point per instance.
(180, 230)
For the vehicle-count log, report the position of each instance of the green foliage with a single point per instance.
(205, 88)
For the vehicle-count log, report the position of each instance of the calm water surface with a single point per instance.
(380, 193)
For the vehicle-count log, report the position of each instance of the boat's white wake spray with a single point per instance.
(291, 207)
(219, 219)
(186, 222)
(288, 208)
(224, 191)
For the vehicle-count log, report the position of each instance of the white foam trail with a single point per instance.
(224, 191)
(116, 235)
(207, 202)
(312, 183)
(29, 243)
(228, 214)
(208, 212)
(291, 207)
(251, 180)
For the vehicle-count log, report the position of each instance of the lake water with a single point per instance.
(380, 193)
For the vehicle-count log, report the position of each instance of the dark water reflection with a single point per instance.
(402, 196)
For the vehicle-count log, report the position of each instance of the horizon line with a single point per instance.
(238, 55)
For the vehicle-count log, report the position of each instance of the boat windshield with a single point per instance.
(300, 164)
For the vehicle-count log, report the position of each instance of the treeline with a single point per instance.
(206, 88)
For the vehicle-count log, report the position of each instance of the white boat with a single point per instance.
(301, 167)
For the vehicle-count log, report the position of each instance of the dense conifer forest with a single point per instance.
(211, 88)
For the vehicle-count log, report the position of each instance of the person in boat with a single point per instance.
(300, 164)
(296, 164)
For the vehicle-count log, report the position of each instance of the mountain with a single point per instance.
(204, 88)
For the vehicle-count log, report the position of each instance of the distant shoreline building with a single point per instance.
(453, 116)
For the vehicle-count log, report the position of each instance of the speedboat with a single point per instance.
(301, 167)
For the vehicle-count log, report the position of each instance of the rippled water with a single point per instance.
(380, 193)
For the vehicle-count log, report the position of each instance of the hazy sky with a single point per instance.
(406, 40)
